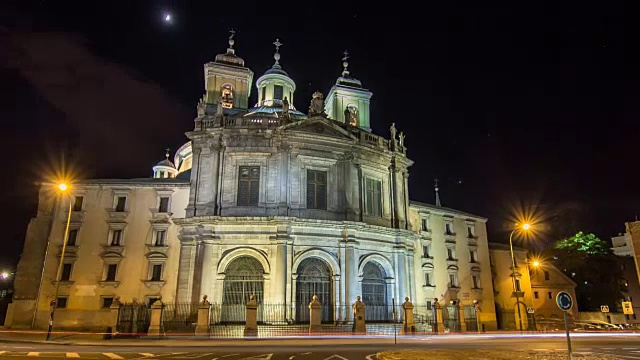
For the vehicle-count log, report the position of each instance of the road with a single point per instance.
(625, 347)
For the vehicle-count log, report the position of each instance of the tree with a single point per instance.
(597, 272)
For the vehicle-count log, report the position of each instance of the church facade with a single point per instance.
(262, 200)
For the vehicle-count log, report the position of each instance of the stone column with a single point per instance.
(359, 325)
(186, 268)
(315, 315)
(251, 322)
(204, 314)
(401, 274)
(280, 280)
(439, 323)
(407, 319)
(207, 270)
(463, 324)
(351, 271)
(156, 318)
(113, 316)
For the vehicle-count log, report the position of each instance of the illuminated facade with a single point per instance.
(266, 201)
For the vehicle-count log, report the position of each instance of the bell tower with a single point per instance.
(227, 81)
(347, 101)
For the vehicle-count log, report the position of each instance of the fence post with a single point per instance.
(251, 322)
(156, 318)
(315, 315)
(204, 312)
(359, 325)
(463, 323)
(113, 316)
(407, 320)
(439, 319)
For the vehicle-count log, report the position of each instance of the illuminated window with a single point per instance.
(475, 281)
(264, 92)
(316, 189)
(453, 280)
(249, 186)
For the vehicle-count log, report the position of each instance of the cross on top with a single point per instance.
(167, 154)
(436, 182)
(346, 56)
(232, 32)
(277, 43)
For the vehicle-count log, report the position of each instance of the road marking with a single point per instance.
(370, 357)
(147, 354)
(307, 353)
(224, 356)
(33, 354)
(73, 355)
(623, 356)
(336, 357)
(112, 356)
(262, 357)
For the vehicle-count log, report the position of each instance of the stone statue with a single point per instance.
(347, 116)
(393, 131)
(351, 115)
(201, 107)
(317, 104)
(285, 106)
(401, 137)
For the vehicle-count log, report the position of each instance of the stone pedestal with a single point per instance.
(251, 322)
(463, 324)
(156, 318)
(315, 315)
(408, 324)
(113, 317)
(204, 313)
(359, 325)
(439, 324)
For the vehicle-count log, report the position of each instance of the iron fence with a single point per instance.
(179, 317)
(133, 319)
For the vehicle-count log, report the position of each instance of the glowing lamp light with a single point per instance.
(4, 275)
(526, 226)
(62, 187)
(536, 263)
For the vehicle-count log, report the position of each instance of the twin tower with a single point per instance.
(228, 87)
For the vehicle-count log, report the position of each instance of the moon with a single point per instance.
(168, 18)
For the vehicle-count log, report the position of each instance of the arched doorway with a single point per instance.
(314, 278)
(374, 292)
(244, 277)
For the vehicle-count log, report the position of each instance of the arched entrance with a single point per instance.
(314, 278)
(374, 292)
(244, 277)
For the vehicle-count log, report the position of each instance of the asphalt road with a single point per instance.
(624, 347)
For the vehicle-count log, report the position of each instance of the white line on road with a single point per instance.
(146, 354)
(224, 356)
(370, 357)
(307, 353)
(33, 354)
(113, 356)
(73, 355)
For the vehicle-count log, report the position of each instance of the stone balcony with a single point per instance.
(162, 249)
(117, 216)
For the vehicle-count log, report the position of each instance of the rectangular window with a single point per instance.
(426, 251)
(470, 231)
(61, 303)
(264, 92)
(476, 281)
(278, 92)
(66, 272)
(518, 288)
(453, 280)
(77, 204)
(164, 205)
(156, 272)
(450, 254)
(425, 224)
(429, 305)
(448, 228)
(249, 186)
(107, 302)
(116, 237)
(535, 294)
(472, 256)
(161, 236)
(111, 272)
(549, 295)
(427, 279)
(121, 203)
(72, 237)
(546, 275)
(373, 197)
(316, 189)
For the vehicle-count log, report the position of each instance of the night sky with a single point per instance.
(515, 108)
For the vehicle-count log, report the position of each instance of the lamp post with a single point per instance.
(513, 263)
(54, 304)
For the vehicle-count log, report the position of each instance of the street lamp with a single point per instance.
(525, 227)
(62, 187)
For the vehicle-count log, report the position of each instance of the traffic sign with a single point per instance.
(627, 307)
(530, 310)
(604, 308)
(564, 301)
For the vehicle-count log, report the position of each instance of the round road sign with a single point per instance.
(564, 301)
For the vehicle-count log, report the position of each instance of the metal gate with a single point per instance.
(470, 318)
(450, 318)
(133, 319)
(374, 293)
(244, 277)
(314, 278)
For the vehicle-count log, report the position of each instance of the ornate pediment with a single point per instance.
(319, 126)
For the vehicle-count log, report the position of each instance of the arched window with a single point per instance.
(314, 278)
(226, 96)
(374, 292)
(244, 277)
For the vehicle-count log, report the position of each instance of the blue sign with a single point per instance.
(564, 301)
